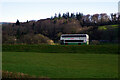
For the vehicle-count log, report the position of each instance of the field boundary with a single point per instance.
(100, 49)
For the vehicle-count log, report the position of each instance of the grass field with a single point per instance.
(63, 65)
(108, 27)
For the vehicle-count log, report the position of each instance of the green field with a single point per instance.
(76, 64)
(108, 27)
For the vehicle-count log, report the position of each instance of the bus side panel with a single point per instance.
(73, 43)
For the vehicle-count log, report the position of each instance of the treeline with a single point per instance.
(91, 20)
(49, 30)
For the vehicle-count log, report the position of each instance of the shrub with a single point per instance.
(95, 42)
(9, 39)
(18, 75)
(36, 39)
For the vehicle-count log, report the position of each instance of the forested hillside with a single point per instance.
(101, 27)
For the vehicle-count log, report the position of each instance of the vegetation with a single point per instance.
(83, 49)
(94, 25)
(29, 47)
(60, 61)
(62, 65)
(15, 75)
(6, 74)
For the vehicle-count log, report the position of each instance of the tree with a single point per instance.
(67, 15)
(55, 15)
(87, 20)
(79, 16)
(27, 21)
(35, 39)
(64, 16)
(96, 18)
(72, 15)
(59, 15)
(18, 33)
(51, 18)
(33, 25)
(17, 22)
(9, 39)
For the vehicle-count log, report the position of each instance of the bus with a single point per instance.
(74, 39)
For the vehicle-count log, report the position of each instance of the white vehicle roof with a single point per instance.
(74, 34)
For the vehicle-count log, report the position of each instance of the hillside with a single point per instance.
(52, 28)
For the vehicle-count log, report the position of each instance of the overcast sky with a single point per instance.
(24, 10)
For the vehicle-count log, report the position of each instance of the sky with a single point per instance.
(23, 10)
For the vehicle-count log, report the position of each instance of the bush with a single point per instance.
(82, 49)
(19, 76)
(95, 42)
(36, 39)
(9, 40)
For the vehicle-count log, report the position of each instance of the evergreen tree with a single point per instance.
(67, 15)
(17, 22)
(55, 15)
(79, 16)
(59, 16)
(64, 16)
(72, 15)
(51, 18)
(27, 21)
